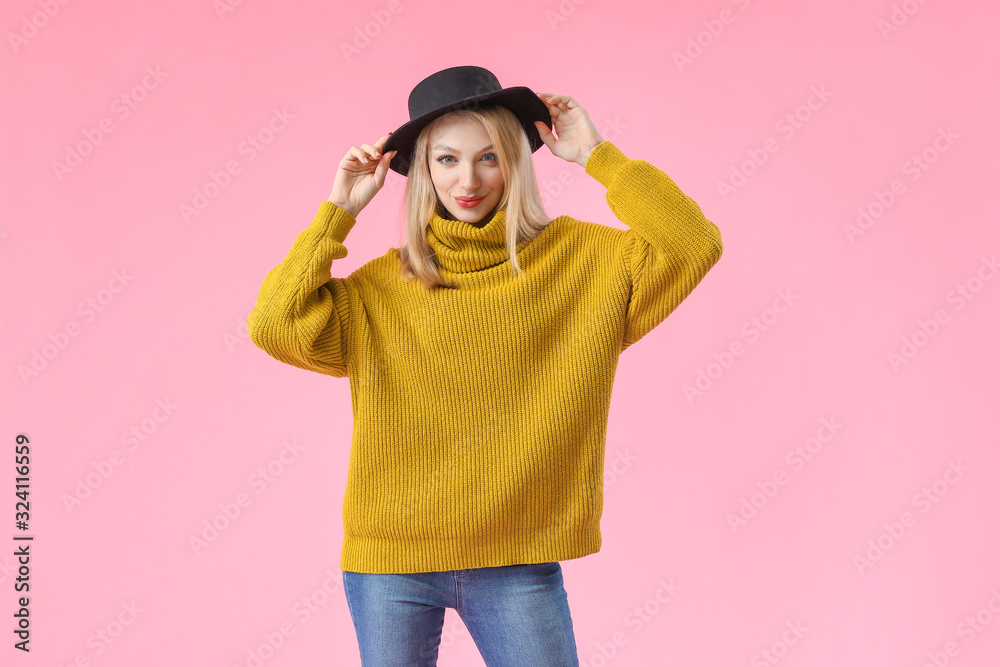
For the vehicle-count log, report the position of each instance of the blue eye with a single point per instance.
(440, 159)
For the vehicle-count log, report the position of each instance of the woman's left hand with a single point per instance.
(577, 135)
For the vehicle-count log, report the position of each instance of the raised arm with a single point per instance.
(303, 314)
(670, 244)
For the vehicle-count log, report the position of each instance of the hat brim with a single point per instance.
(522, 101)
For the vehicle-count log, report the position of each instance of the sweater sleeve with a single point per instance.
(302, 316)
(669, 246)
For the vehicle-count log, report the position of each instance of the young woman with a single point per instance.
(481, 358)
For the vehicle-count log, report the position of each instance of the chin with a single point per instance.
(469, 215)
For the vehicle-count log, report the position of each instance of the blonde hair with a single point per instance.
(525, 216)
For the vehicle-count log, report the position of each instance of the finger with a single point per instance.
(550, 99)
(354, 153)
(564, 102)
(383, 167)
(363, 156)
(359, 155)
(558, 105)
(544, 133)
(371, 154)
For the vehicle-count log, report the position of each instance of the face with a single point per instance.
(464, 164)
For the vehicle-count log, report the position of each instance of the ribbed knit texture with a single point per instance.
(480, 413)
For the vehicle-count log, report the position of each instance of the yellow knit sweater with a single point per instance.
(480, 413)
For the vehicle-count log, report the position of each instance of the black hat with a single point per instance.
(462, 87)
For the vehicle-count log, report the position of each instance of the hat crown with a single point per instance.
(453, 86)
(463, 87)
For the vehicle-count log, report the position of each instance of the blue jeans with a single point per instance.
(516, 614)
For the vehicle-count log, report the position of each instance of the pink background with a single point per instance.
(174, 333)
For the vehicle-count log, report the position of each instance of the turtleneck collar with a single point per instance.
(460, 247)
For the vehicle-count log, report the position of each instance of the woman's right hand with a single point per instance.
(360, 175)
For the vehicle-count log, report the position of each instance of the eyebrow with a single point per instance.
(442, 147)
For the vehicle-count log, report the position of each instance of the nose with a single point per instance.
(468, 179)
